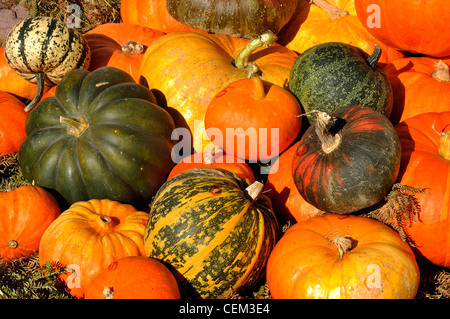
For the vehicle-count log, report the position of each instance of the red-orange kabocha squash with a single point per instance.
(419, 26)
(12, 123)
(419, 85)
(425, 163)
(121, 45)
(342, 257)
(26, 212)
(134, 277)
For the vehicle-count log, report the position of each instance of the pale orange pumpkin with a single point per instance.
(89, 236)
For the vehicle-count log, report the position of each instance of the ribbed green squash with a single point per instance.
(43, 49)
(334, 74)
(213, 228)
(101, 136)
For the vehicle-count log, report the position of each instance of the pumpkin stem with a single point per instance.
(441, 72)
(254, 190)
(322, 127)
(241, 62)
(444, 143)
(75, 126)
(210, 155)
(40, 80)
(343, 245)
(258, 92)
(108, 292)
(332, 10)
(13, 244)
(133, 47)
(373, 59)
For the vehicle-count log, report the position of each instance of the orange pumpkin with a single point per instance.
(134, 277)
(12, 124)
(190, 68)
(342, 257)
(151, 14)
(26, 212)
(214, 157)
(320, 21)
(121, 45)
(419, 85)
(89, 236)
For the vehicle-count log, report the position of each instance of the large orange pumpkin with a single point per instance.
(121, 45)
(26, 212)
(419, 85)
(189, 68)
(134, 277)
(419, 26)
(89, 236)
(342, 257)
(12, 123)
(425, 162)
(321, 21)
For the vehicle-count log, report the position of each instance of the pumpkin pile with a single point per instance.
(203, 149)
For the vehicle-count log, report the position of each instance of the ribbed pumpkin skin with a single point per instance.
(359, 172)
(336, 74)
(202, 224)
(44, 44)
(12, 123)
(124, 154)
(236, 18)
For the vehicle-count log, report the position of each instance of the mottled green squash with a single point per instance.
(213, 228)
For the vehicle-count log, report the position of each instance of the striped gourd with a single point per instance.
(213, 228)
(43, 49)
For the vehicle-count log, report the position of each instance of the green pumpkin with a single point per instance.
(334, 74)
(213, 228)
(236, 18)
(101, 136)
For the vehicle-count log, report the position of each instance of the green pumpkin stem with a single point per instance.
(241, 62)
(322, 127)
(40, 79)
(373, 59)
(75, 126)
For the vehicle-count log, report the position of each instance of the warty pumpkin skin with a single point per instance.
(89, 236)
(348, 160)
(189, 68)
(213, 228)
(100, 136)
(12, 124)
(342, 257)
(425, 163)
(235, 18)
(26, 212)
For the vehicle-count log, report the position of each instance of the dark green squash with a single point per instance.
(236, 18)
(348, 160)
(101, 136)
(214, 229)
(334, 74)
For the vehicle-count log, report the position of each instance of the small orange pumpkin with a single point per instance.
(12, 124)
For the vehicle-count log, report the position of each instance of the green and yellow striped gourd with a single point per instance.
(43, 49)
(215, 229)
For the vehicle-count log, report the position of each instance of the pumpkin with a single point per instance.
(134, 277)
(43, 49)
(13, 83)
(100, 136)
(287, 203)
(27, 211)
(348, 160)
(419, 85)
(90, 235)
(342, 257)
(214, 157)
(401, 24)
(335, 74)
(12, 125)
(253, 119)
(320, 21)
(121, 45)
(236, 18)
(425, 163)
(214, 229)
(190, 68)
(151, 14)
